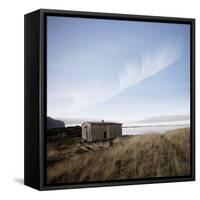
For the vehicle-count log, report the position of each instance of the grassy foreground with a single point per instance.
(130, 157)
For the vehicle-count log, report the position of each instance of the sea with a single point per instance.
(157, 128)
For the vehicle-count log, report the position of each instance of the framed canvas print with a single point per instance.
(109, 99)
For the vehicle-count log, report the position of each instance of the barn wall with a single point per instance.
(86, 132)
(112, 131)
(95, 132)
(89, 133)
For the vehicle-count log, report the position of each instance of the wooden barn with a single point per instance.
(96, 131)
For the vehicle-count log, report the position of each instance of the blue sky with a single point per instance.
(111, 69)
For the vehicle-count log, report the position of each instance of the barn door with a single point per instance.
(105, 134)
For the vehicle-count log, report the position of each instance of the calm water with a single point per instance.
(148, 130)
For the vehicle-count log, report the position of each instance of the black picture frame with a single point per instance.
(35, 98)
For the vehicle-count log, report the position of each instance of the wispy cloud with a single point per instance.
(151, 63)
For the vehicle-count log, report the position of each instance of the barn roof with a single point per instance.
(102, 123)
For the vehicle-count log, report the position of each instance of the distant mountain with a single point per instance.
(54, 123)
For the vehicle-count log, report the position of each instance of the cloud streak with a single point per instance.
(151, 63)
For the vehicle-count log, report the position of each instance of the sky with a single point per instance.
(119, 70)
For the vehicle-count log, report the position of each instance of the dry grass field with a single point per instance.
(128, 157)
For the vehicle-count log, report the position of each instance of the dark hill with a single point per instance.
(56, 134)
(54, 123)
